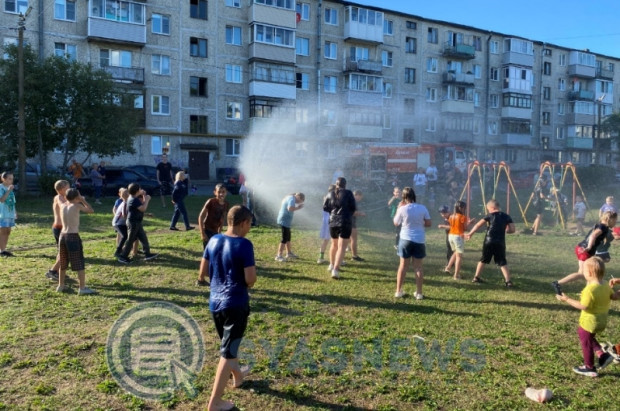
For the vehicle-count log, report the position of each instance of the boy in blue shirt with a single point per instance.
(290, 204)
(136, 206)
(229, 261)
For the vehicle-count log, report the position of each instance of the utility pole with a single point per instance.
(21, 121)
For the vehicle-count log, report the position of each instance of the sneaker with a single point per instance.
(7, 254)
(279, 258)
(62, 288)
(330, 267)
(343, 263)
(508, 284)
(477, 280)
(320, 261)
(604, 360)
(190, 228)
(335, 274)
(150, 256)
(174, 229)
(86, 291)
(357, 258)
(418, 296)
(556, 286)
(123, 260)
(588, 372)
(52, 275)
(291, 256)
(202, 283)
(399, 294)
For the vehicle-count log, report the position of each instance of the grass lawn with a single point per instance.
(314, 343)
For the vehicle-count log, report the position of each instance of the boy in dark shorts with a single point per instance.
(61, 187)
(229, 261)
(136, 206)
(69, 244)
(213, 214)
(498, 224)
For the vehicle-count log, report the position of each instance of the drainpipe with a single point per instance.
(487, 87)
(318, 66)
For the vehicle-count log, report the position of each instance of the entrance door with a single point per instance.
(199, 165)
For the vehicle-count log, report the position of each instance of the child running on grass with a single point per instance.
(393, 203)
(229, 261)
(290, 204)
(594, 305)
(61, 187)
(137, 204)
(119, 222)
(587, 248)
(324, 233)
(494, 246)
(579, 209)
(357, 194)
(444, 212)
(70, 244)
(213, 215)
(458, 224)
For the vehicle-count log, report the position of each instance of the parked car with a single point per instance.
(117, 177)
(151, 171)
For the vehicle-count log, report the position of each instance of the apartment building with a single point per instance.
(328, 78)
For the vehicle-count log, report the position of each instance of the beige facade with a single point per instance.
(330, 78)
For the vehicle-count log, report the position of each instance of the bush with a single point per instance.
(46, 183)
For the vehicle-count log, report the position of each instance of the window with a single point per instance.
(431, 94)
(123, 11)
(156, 145)
(494, 47)
(431, 124)
(562, 60)
(198, 47)
(68, 51)
(559, 133)
(386, 58)
(547, 93)
(160, 64)
(410, 45)
(494, 74)
(409, 106)
(233, 110)
(15, 6)
(198, 124)
(233, 3)
(233, 73)
(330, 83)
(273, 73)
(431, 65)
(494, 100)
(408, 135)
(285, 4)
(330, 50)
(362, 82)
(547, 52)
(433, 35)
(198, 9)
(233, 35)
(233, 147)
(273, 35)
(547, 68)
(493, 127)
(304, 10)
(516, 126)
(387, 90)
(359, 53)
(64, 10)
(302, 81)
(610, 66)
(477, 43)
(477, 71)
(160, 105)
(160, 24)
(546, 118)
(116, 58)
(387, 121)
(561, 109)
(561, 84)
(411, 25)
(302, 46)
(388, 27)
(331, 16)
(476, 99)
(197, 86)
(409, 75)
(517, 100)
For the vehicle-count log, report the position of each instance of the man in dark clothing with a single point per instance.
(164, 178)
(340, 204)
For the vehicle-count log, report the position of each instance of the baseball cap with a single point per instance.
(444, 209)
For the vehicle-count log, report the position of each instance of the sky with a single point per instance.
(577, 24)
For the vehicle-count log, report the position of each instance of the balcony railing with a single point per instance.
(578, 142)
(604, 73)
(126, 74)
(458, 78)
(461, 50)
(367, 66)
(581, 95)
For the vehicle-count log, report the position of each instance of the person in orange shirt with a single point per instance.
(456, 236)
(76, 170)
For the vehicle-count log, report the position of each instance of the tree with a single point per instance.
(611, 124)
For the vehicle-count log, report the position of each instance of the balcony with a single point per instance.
(364, 98)
(363, 24)
(604, 74)
(364, 66)
(126, 74)
(259, 88)
(516, 112)
(580, 118)
(458, 78)
(262, 125)
(263, 51)
(513, 139)
(585, 95)
(461, 50)
(581, 70)
(275, 16)
(457, 106)
(578, 142)
(116, 31)
(362, 132)
(518, 59)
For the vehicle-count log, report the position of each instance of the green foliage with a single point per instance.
(44, 389)
(596, 176)
(46, 183)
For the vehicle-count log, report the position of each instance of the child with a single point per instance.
(587, 248)
(179, 192)
(290, 204)
(213, 214)
(70, 244)
(444, 211)
(357, 194)
(579, 210)
(97, 182)
(229, 260)
(136, 206)
(61, 187)
(498, 224)
(594, 306)
(393, 203)
(324, 233)
(119, 222)
(7, 211)
(458, 224)
(608, 206)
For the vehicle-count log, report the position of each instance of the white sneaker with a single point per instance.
(399, 294)
(330, 267)
(335, 274)
(280, 258)
(86, 290)
(418, 296)
(320, 261)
